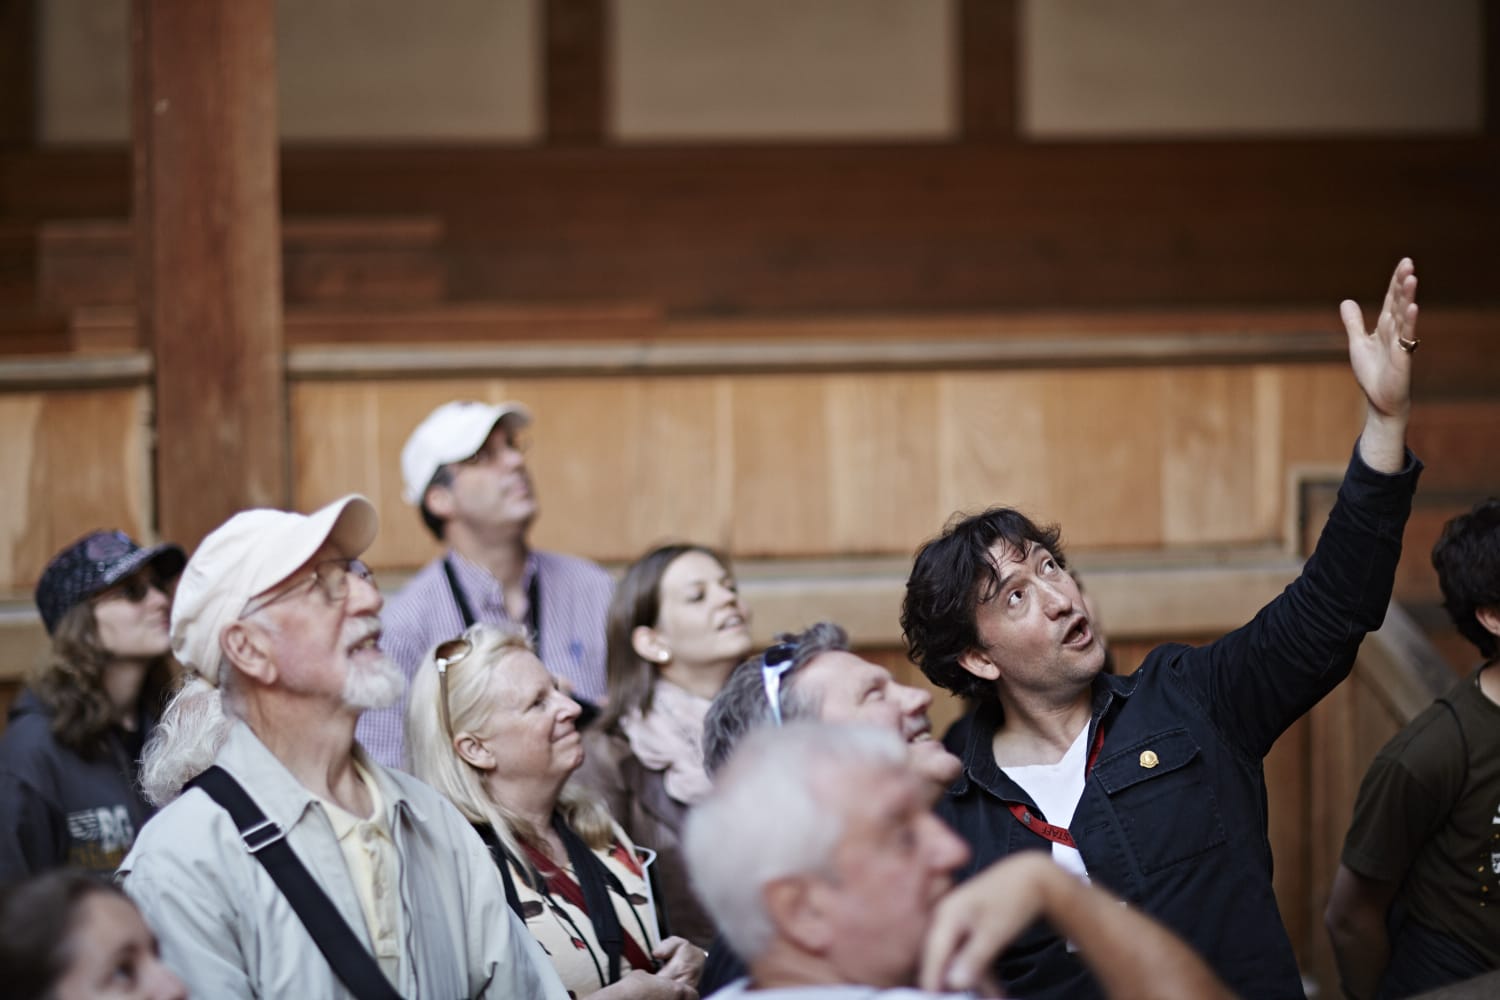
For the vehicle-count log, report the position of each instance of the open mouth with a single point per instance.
(367, 644)
(732, 621)
(1078, 633)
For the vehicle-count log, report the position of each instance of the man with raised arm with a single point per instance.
(293, 865)
(1152, 785)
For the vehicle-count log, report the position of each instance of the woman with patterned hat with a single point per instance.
(71, 750)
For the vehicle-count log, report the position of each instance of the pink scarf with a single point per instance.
(670, 739)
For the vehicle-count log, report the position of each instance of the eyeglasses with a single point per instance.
(777, 661)
(330, 576)
(136, 589)
(445, 656)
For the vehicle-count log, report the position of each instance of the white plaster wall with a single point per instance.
(1184, 67)
(440, 70)
(782, 69)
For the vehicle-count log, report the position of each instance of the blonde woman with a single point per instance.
(487, 727)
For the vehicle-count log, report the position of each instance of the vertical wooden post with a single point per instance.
(18, 69)
(208, 255)
(989, 70)
(574, 78)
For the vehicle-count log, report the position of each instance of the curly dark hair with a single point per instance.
(1467, 560)
(951, 576)
(71, 684)
(637, 602)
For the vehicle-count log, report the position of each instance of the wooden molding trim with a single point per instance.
(755, 356)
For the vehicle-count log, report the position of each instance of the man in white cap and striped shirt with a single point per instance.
(464, 468)
(292, 864)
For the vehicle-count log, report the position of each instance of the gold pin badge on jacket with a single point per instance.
(1149, 759)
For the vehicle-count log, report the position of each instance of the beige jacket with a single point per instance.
(227, 930)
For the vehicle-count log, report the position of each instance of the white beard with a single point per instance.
(373, 684)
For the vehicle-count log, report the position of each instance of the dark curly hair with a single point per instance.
(952, 575)
(637, 602)
(71, 684)
(1467, 560)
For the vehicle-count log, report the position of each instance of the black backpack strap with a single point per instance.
(351, 961)
(502, 862)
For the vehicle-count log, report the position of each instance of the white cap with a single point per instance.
(247, 555)
(451, 433)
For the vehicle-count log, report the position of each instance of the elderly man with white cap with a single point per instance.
(291, 864)
(464, 468)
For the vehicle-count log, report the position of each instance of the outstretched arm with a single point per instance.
(1381, 359)
(1131, 955)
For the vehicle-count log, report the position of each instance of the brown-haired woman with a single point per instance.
(71, 750)
(676, 629)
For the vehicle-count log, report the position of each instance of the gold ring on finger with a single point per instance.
(1409, 346)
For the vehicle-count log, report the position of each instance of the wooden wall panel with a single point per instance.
(839, 465)
(70, 462)
(781, 499)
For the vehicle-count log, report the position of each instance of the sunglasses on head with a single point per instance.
(444, 656)
(776, 662)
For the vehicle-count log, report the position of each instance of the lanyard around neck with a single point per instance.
(466, 612)
(1039, 826)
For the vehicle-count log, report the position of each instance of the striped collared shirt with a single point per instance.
(574, 595)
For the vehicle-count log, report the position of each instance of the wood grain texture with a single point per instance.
(70, 461)
(209, 292)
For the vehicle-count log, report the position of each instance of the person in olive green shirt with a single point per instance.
(1416, 901)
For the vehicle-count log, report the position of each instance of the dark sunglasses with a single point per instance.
(137, 588)
(776, 662)
(444, 656)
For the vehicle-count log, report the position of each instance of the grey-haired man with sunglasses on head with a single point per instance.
(813, 676)
(284, 861)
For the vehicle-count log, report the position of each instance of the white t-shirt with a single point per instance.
(1056, 789)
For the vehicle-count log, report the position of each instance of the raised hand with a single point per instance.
(1382, 361)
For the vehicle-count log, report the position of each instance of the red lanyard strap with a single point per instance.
(1039, 826)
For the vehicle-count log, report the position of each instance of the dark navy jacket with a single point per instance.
(1185, 838)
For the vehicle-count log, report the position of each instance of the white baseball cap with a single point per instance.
(451, 433)
(247, 555)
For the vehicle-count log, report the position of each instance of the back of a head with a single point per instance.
(769, 817)
(950, 576)
(1467, 560)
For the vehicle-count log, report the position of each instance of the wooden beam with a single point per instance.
(1490, 54)
(575, 34)
(18, 72)
(720, 231)
(209, 256)
(989, 75)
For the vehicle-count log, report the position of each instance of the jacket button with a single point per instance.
(1149, 759)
